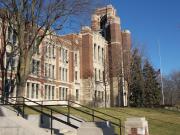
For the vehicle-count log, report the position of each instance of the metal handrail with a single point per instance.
(40, 111)
(88, 113)
(93, 111)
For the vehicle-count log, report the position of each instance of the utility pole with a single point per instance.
(161, 71)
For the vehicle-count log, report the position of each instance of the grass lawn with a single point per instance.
(161, 121)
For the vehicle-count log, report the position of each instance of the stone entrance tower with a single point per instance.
(106, 21)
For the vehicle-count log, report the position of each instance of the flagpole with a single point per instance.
(161, 71)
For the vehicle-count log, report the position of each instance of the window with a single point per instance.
(98, 53)
(75, 59)
(99, 75)
(33, 90)
(53, 74)
(102, 55)
(66, 56)
(53, 51)
(47, 51)
(63, 74)
(94, 51)
(63, 93)
(102, 96)
(49, 92)
(60, 93)
(46, 91)
(95, 94)
(66, 74)
(103, 76)
(66, 93)
(49, 70)
(60, 73)
(95, 74)
(27, 95)
(60, 52)
(98, 94)
(77, 95)
(35, 67)
(46, 70)
(76, 75)
(37, 87)
(52, 92)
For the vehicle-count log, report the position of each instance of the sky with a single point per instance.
(153, 22)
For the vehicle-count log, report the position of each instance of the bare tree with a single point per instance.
(106, 79)
(32, 21)
(172, 88)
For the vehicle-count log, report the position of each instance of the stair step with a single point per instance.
(67, 132)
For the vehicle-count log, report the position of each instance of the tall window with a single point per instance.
(76, 75)
(99, 75)
(102, 55)
(46, 70)
(75, 58)
(35, 67)
(63, 74)
(49, 92)
(53, 51)
(37, 87)
(102, 96)
(27, 95)
(49, 75)
(66, 74)
(63, 93)
(94, 51)
(99, 95)
(66, 91)
(33, 90)
(52, 92)
(49, 52)
(60, 93)
(98, 53)
(60, 52)
(60, 73)
(53, 72)
(46, 91)
(77, 95)
(66, 56)
(95, 74)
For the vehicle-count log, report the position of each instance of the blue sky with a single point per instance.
(151, 21)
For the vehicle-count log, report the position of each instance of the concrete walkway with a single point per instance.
(1, 113)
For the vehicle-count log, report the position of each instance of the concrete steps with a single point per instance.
(11, 122)
(16, 125)
(8, 111)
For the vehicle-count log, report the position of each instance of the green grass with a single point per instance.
(161, 121)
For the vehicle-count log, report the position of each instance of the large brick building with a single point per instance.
(90, 67)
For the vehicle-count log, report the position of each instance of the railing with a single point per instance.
(23, 103)
(91, 112)
(19, 104)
